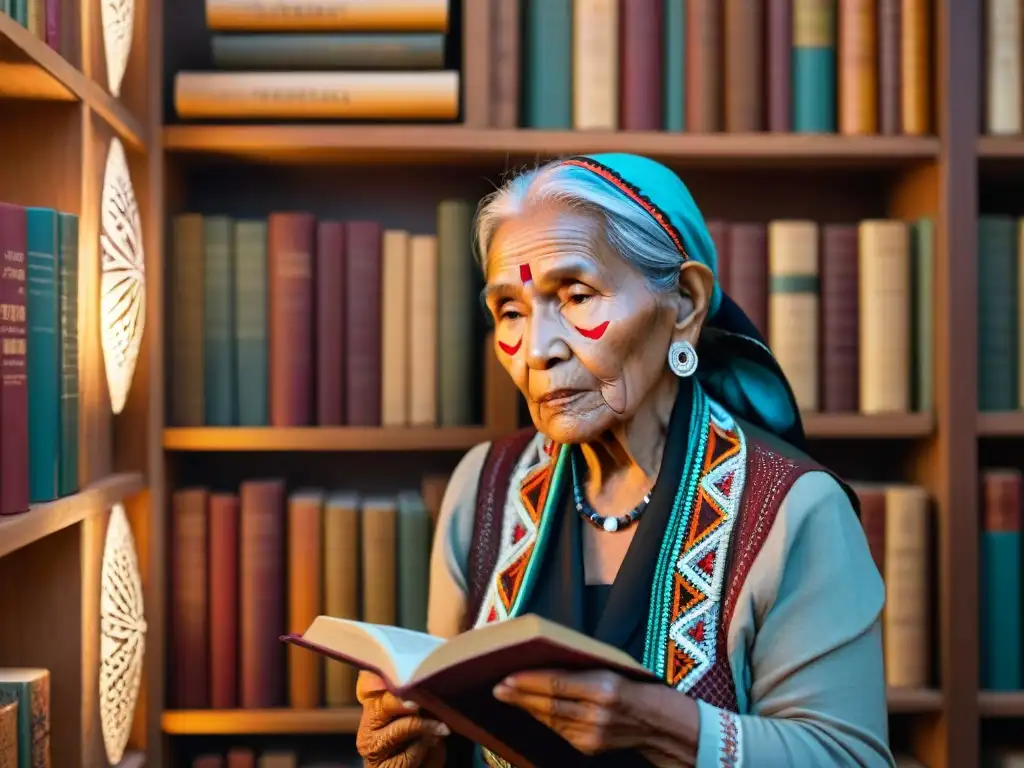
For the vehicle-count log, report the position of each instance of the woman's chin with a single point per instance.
(571, 428)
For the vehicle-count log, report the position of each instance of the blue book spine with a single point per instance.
(43, 350)
(251, 323)
(548, 65)
(675, 65)
(1001, 640)
(67, 480)
(218, 325)
(814, 66)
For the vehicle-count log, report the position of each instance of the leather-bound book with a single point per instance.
(457, 374)
(362, 323)
(595, 72)
(189, 679)
(703, 66)
(890, 117)
(506, 20)
(397, 283)
(252, 382)
(1004, 60)
(14, 385)
(997, 323)
(642, 49)
(341, 586)
(872, 518)
(744, 66)
(219, 335)
(423, 354)
(240, 757)
(1000, 609)
(31, 688)
(780, 65)
(261, 586)
(719, 231)
(432, 489)
(747, 273)
(186, 404)
(379, 521)
(413, 560)
(858, 68)
(916, 66)
(276, 760)
(223, 532)
(839, 318)
(305, 592)
(290, 286)
(9, 735)
(330, 323)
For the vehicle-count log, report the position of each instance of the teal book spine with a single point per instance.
(814, 66)
(997, 313)
(31, 689)
(251, 323)
(548, 65)
(218, 322)
(675, 65)
(67, 473)
(18, 10)
(413, 561)
(1001, 611)
(42, 308)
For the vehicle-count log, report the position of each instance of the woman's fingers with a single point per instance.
(369, 684)
(404, 734)
(551, 710)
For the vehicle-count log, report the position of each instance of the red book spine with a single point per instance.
(748, 272)
(363, 323)
(719, 231)
(839, 319)
(53, 24)
(290, 292)
(13, 379)
(780, 65)
(190, 609)
(330, 323)
(642, 41)
(223, 567)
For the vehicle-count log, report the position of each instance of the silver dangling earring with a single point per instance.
(682, 359)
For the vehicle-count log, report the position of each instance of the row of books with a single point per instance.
(249, 566)
(303, 60)
(1003, 68)
(243, 757)
(292, 321)
(1001, 608)
(40, 17)
(1000, 313)
(39, 356)
(846, 308)
(811, 66)
(24, 717)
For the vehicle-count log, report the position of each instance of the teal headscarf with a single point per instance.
(736, 366)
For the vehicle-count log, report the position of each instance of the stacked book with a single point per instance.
(378, 60)
(40, 17)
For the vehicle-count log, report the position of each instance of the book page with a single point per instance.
(406, 648)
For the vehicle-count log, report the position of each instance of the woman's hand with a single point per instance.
(601, 711)
(392, 733)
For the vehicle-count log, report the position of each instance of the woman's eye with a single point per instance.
(510, 314)
(579, 298)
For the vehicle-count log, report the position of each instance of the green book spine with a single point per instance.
(922, 234)
(251, 384)
(43, 311)
(1001, 636)
(413, 561)
(675, 65)
(455, 305)
(997, 313)
(18, 10)
(218, 328)
(344, 51)
(548, 65)
(31, 689)
(814, 66)
(67, 475)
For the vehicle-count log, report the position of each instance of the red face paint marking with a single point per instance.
(510, 349)
(594, 333)
(525, 274)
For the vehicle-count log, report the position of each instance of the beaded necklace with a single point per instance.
(588, 513)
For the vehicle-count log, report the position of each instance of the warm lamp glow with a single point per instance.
(122, 635)
(122, 278)
(118, 18)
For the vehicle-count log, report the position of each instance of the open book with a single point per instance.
(453, 679)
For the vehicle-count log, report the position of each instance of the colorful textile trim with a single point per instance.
(525, 523)
(729, 746)
(684, 622)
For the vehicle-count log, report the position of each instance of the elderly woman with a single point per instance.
(662, 505)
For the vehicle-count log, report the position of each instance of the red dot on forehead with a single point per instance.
(525, 275)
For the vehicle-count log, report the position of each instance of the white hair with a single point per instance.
(630, 230)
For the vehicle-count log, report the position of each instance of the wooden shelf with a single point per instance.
(914, 700)
(31, 70)
(247, 722)
(1001, 148)
(1001, 703)
(325, 438)
(1006, 424)
(454, 143)
(42, 520)
(857, 425)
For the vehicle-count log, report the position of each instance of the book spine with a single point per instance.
(346, 51)
(305, 595)
(506, 69)
(915, 66)
(547, 63)
(748, 272)
(675, 66)
(922, 233)
(595, 51)
(1003, 66)
(997, 313)
(858, 64)
(341, 560)
(379, 566)
(67, 481)
(327, 16)
(890, 119)
(640, 75)
(252, 374)
(43, 353)
(703, 69)
(188, 381)
(330, 323)
(839, 318)
(780, 65)
(190, 608)
(1001, 635)
(218, 322)
(413, 562)
(14, 494)
(223, 565)
(363, 323)
(814, 66)
(455, 304)
(396, 285)
(744, 66)
(905, 624)
(423, 318)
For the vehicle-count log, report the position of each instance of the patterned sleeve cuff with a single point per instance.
(720, 744)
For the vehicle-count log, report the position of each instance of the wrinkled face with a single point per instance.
(577, 327)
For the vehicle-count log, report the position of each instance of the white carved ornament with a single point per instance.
(122, 277)
(122, 635)
(118, 19)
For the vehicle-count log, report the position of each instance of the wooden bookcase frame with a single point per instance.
(52, 154)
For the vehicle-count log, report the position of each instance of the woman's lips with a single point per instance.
(557, 397)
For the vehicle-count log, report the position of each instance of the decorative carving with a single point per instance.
(123, 277)
(122, 635)
(118, 18)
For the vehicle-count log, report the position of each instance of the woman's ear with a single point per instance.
(696, 283)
